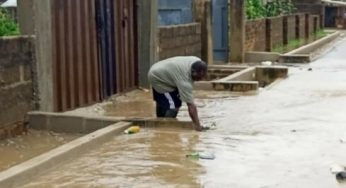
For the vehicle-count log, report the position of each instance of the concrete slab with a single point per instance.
(236, 86)
(295, 58)
(307, 49)
(22, 173)
(257, 57)
(266, 75)
(87, 124)
(249, 79)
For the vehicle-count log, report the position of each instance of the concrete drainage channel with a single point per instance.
(100, 129)
(304, 54)
(97, 129)
(245, 79)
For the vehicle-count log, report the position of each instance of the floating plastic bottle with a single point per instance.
(132, 130)
(201, 155)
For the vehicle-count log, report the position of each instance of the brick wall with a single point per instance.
(276, 31)
(255, 35)
(301, 26)
(266, 34)
(311, 24)
(291, 27)
(180, 40)
(16, 93)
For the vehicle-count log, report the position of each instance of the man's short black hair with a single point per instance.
(199, 66)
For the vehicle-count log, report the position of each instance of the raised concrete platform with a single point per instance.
(249, 79)
(67, 123)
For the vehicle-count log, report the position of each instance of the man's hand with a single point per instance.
(198, 128)
(194, 116)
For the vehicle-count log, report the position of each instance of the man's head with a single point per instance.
(198, 70)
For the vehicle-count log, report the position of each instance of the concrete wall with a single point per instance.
(311, 7)
(25, 17)
(266, 34)
(178, 40)
(147, 32)
(202, 15)
(16, 88)
(255, 35)
(44, 54)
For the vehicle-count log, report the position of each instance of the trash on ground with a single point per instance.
(268, 63)
(201, 155)
(341, 176)
(132, 130)
(334, 169)
(339, 171)
(212, 126)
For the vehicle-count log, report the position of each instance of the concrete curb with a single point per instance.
(249, 79)
(299, 55)
(257, 57)
(22, 173)
(69, 123)
(309, 48)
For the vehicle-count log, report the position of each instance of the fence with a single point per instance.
(266, 34)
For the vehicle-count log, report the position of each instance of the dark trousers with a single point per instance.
(167, 104)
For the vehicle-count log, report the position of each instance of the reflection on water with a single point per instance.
(149, 159)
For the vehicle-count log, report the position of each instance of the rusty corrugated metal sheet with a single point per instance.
(75, 54)
(126, 48)
(84, 67)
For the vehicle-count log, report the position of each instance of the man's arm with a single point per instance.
(194, 116)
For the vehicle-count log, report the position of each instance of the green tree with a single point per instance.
(258, 9)
(254, 9)
(7, 25)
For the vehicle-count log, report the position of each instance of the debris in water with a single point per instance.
(268, 63)
(341, 176)
(334, 169)
(132, 130)
(212, 126)
(201, 155)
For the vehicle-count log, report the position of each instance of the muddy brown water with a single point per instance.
(285, 137)
(24, 147)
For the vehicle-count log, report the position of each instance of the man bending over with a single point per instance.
(172, 81)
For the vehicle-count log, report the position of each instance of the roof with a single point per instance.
(9, 3)
(334, 3)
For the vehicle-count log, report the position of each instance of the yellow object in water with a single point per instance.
(132, 130)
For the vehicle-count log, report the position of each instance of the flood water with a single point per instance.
(21, 148)
(287, 136)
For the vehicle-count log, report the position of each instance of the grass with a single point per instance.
(296, 43)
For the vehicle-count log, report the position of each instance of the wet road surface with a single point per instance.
(21, 148)
(287, 136)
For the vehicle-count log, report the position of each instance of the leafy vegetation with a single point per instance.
(7, 25)
(292, 44)
(295, 43)
(257, 9)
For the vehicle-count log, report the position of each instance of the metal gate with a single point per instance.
(220, 29)
(94, 50)
(174, 12)
(126, 46)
